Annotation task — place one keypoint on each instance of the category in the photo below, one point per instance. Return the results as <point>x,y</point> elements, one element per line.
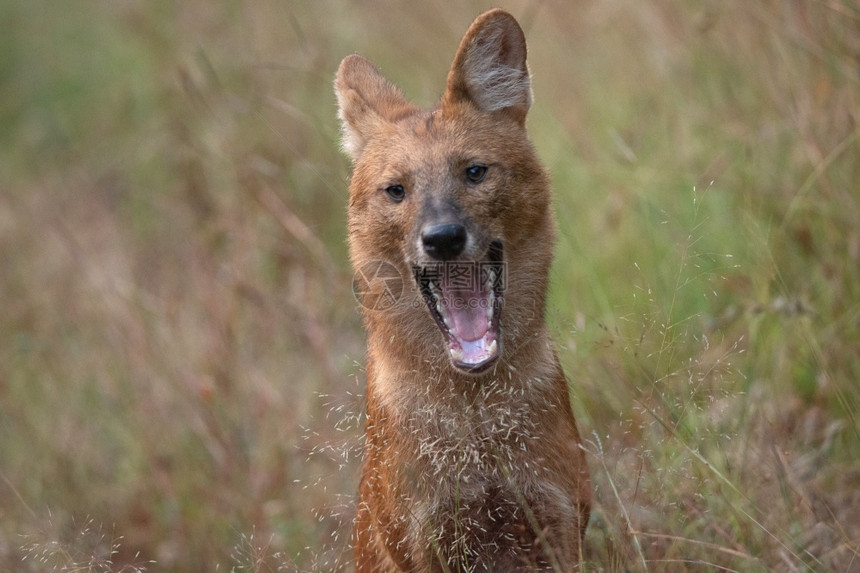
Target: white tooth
<point>440,308</point>
<point>456,354</point>
<point>491,279</point>
<point>437,297</point>
<point>492,348</point>
<point>437,294</point>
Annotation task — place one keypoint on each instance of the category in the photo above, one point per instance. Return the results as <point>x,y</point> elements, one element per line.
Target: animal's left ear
<point>490,68</point>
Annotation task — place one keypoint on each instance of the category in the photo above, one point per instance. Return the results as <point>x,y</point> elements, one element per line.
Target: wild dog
<point>473,461</point>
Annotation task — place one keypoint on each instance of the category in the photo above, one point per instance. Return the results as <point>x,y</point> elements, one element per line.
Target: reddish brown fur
<point>462,471</point>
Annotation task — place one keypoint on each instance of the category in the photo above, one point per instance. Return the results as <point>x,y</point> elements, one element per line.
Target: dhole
<point>472,457</point>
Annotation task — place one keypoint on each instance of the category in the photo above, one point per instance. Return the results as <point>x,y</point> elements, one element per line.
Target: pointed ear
<point>490,69</point>
<point>366,100</point>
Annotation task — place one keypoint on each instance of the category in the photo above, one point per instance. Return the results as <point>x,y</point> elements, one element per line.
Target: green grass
<point>180,353</point>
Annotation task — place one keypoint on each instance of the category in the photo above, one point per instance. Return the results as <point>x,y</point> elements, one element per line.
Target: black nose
<point>444,242</point>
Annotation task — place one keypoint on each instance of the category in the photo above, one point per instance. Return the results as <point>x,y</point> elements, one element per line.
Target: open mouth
<point>465,299</point>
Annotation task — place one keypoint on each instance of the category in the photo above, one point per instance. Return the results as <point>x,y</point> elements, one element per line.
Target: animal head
<point>454,198</point>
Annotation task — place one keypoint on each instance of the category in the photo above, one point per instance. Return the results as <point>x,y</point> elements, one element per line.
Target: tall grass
<point>180,353</point>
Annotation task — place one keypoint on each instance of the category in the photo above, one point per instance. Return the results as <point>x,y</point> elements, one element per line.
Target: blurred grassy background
<point>180,353</point>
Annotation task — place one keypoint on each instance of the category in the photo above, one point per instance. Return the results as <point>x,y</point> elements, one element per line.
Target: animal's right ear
<point>366,101</point>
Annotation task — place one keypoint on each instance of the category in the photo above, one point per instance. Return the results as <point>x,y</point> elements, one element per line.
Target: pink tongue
<point>467,310</point>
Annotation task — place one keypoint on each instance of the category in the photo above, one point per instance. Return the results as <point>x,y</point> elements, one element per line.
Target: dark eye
<point>476,173</point>
<point>396,192</point>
